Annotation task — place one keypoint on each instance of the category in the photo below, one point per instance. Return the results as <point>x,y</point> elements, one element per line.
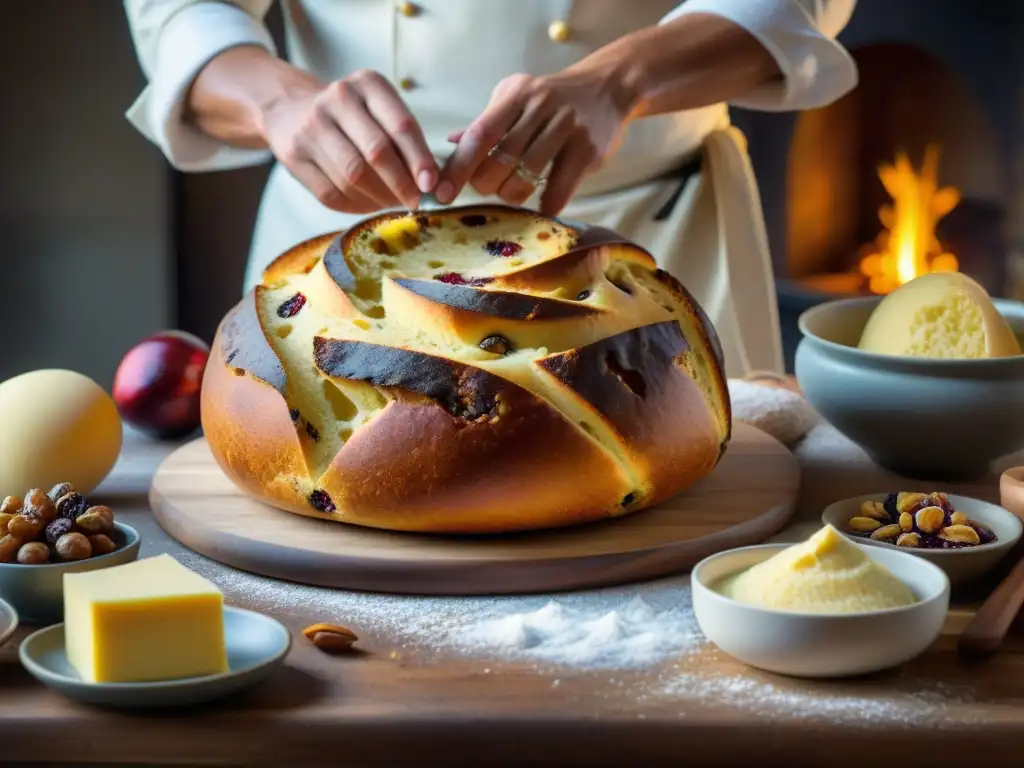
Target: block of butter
<point>149,620</point>
<point>939,315</point>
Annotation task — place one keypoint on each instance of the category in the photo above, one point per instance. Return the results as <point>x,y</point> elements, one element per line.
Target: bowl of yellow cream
<point>928,380</point>
<point>825,607</point>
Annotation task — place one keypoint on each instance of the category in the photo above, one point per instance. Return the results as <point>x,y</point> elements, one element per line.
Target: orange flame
<point>907,245</point>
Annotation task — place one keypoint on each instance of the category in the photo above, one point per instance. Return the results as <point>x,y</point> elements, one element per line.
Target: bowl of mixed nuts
<point>965,537</point>
<point>45,535</point>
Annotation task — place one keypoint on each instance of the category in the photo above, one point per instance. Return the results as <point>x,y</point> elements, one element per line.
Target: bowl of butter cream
<point>826,607</point>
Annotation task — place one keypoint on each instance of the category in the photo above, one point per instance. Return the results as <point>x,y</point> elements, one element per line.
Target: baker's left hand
<point>564,126</point>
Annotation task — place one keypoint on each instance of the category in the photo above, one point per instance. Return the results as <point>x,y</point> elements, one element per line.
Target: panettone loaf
<point>471,370</point>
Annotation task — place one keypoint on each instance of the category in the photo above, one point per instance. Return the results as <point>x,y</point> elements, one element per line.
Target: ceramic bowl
<point>255,645</point>
<point>942,420</point>
<point>961,565</point>
<point>820,645</point>
<point>37,591</point>
<point>8,621</point>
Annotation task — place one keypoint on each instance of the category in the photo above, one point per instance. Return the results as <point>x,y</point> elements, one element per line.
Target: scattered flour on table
<point>624,627</point>
<point>645,634</point>
<point>907,701</point>
<point>630,635</point>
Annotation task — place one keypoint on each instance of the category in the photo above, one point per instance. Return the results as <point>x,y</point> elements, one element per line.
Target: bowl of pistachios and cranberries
<point>965,537</point>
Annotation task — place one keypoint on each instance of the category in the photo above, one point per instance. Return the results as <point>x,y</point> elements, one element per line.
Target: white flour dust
<point>622,627</point>
<point>647,631</point>
<point>908,701</point>
<point>631,635</point>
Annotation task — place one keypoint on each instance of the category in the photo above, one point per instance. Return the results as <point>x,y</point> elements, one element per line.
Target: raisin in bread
<point>472,370</point>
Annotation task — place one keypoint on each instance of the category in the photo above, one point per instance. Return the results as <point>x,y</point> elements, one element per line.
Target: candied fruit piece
<point>56,529</point>
<point>321,501</point>
<point>290,307</point>
<point>504,248</point>
<point>985,535</point>
<point>890,506</point>
<point>454,278</point>
<point>582,295</point>
<point>473,220</point>
<point>313,432</point>
<point>496,345</point>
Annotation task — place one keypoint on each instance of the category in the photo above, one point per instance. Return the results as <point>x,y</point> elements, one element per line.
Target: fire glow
<point>907,245</point>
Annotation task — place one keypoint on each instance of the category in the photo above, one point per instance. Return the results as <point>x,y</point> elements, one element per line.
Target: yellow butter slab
<point>150,620</point>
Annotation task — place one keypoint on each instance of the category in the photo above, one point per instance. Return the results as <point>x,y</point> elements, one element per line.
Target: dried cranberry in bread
<point>473,370</point>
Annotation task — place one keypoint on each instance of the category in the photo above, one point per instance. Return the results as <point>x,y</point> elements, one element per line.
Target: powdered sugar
<point>910,701</point>
<point>633,634</point>
<point>623,627</point>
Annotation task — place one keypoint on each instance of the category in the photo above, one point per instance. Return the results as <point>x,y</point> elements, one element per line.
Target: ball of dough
<point>57,426</point>
<point>939,315</point>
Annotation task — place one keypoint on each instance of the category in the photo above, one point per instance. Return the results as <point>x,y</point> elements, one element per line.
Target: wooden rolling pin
<point>984,634</point>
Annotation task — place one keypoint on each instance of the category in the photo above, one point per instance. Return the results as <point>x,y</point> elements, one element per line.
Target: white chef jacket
<point>446,56</point>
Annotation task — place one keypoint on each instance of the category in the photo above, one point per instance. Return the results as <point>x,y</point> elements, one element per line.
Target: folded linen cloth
<point>774,405</point>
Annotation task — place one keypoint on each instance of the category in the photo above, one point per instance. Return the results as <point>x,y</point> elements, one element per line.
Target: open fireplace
<point>920,168</point>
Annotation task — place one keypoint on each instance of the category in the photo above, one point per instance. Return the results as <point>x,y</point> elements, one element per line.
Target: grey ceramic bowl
<point>255,645</point>
<point>8,621</point>
<point>961,565</point>
<point>37,591</point>
<point>941,420</point>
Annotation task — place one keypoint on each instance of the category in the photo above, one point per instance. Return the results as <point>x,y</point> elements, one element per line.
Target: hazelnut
<point>9,549</point>
<point>863,524</point>
<point>961,534</point>
<point>909,540</point>
<point>60,489</point>
<point>5,518</point>
<point>886,532</point>
<point>905,502</point>
<point>102,544</point>
<point>98,519</point>
<point>930,519</point>
<point>959,518</point>
<point>34,553</point>
<point>874,510</point>
<point>26,527</point>
<point>906,522</point>
<point>40,504</point>
<point>11,505</point>
<point>73,546</point>
<point>71,505</point>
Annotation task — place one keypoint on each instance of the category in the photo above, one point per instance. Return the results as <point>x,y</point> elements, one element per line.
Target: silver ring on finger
<point>500,156</point>
<point>531,178</point>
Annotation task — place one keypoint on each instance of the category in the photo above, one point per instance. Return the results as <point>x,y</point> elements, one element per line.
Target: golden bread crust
<point>473,370</point>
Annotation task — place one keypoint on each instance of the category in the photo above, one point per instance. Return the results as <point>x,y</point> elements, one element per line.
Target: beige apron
<point>713,241</point>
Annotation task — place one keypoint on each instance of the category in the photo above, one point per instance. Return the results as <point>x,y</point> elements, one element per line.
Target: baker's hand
<point>353,143</point>
<point>571,122</point>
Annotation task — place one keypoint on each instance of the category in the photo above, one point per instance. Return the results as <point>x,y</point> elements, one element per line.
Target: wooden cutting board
<point>750,496</point>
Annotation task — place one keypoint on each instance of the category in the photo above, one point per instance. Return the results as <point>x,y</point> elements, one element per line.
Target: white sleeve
<point>174,40</point>
<point>801,35</point>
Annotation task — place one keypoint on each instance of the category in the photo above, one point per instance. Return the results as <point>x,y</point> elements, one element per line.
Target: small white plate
<point>815,644</point>
<point>961,565</point>
<point>255,645</point>
<point>8,621</point>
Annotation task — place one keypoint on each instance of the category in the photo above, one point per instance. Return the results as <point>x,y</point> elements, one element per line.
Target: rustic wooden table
<point>397,703</point>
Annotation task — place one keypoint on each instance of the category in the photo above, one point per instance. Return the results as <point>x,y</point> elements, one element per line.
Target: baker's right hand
<point>353,143</point>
